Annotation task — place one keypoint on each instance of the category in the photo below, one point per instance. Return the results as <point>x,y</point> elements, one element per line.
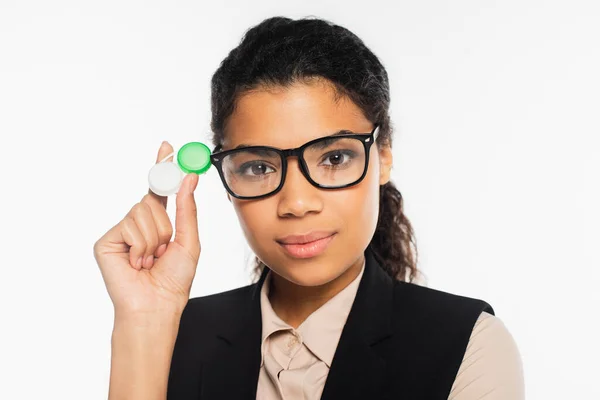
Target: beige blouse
<point>295,362</point>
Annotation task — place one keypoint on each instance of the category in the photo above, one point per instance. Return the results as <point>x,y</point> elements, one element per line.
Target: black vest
<point>401,341</point>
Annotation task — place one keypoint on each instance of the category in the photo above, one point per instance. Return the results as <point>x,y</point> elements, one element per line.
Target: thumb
<point>186,217</point>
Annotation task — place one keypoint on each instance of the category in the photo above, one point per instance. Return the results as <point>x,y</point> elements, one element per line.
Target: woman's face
<point>287,118</point>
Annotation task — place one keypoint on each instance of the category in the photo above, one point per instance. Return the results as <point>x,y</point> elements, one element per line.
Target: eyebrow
<point>340,132</point>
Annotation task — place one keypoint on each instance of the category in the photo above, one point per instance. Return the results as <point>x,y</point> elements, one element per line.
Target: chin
<point>309,275</point>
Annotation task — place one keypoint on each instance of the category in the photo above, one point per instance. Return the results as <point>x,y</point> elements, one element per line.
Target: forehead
<point>287,117</point>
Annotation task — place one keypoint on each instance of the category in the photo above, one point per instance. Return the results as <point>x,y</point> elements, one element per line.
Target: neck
<point>294,303</point>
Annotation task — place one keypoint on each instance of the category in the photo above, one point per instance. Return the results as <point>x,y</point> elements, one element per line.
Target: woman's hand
<point>161,281</point>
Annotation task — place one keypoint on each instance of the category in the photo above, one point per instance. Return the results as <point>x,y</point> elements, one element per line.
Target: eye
<point>255,168</point>
<point>337,158</point>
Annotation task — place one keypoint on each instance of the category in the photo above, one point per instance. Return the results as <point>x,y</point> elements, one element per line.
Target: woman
<point>335,313</point>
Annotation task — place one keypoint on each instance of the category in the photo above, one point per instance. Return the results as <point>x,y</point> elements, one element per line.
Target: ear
<point>228,197</point>
<point>385,164</point>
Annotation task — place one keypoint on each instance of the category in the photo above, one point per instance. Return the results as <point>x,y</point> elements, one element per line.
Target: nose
<point>298,196</point>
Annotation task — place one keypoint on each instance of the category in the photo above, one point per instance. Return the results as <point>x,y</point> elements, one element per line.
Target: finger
<point>164,150</point>
<point>186,218</point>
<point>162,221</point>
<point>131,235</point>
<point>142,215</point>
<point>161,250</point>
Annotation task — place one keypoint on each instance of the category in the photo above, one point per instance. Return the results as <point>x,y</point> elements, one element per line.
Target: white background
<point>497,155</point>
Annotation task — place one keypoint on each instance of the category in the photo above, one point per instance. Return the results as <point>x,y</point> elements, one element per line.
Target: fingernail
<point>139,263</point>
<point>164,143</point>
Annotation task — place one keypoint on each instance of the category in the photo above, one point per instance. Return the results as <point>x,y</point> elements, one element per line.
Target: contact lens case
<point>165,178</point>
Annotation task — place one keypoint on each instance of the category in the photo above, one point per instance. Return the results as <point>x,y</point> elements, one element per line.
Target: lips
<point>304,239</point>
<point>306,246</point>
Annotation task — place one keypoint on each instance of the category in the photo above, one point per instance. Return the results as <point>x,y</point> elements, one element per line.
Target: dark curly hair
<point>279,52</point>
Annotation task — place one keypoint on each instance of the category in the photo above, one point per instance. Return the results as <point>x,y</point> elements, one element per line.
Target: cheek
<point>370,196</point>
<point>369,209</point>
<point>255,218</point>
<point>357,207</point>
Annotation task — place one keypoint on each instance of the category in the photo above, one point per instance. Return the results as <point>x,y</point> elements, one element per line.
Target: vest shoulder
<point>228,296</point>
<point>214,309</point>
<point>434,300</point>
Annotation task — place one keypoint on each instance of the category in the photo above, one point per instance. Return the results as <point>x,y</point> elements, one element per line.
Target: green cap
<point>194,157</point>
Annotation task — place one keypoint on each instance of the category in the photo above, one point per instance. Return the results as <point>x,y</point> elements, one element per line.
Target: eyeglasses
<point>330,162</point>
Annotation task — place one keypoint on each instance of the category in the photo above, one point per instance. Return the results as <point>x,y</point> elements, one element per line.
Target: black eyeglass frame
<point>367,140</point>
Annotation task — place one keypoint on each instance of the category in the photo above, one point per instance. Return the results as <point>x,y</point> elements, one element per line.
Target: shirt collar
<point>322,329</point>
